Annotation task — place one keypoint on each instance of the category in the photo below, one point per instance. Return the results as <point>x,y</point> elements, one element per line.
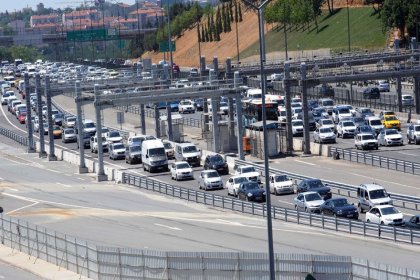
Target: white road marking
<point>21,208</point>
<point>408,154</point>
<point>390,182</point>
<point>1,179</point>
<point>64,185</point>
<point>52,170</point>
<point>286,202</point>
<point>20,197</point>
<point>173,228</point>
<point>49,202</point>
<point>304,162</point>
<point>81,179</point>
<point>12,189</point>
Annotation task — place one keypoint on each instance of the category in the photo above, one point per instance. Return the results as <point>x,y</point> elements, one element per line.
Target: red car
<point>175,68</point>
<point>22,118</point>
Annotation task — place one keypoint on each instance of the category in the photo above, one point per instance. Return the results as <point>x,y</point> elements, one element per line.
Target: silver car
<point>68,135</point>
<point>324,135</point>
<point>210,179</point>
<point>308,201</point>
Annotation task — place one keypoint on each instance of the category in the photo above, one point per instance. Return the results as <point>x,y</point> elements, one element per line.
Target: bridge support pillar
<point>42,152</point>
<point>142,119</point>
<point>216,66</point>
<point>101,176</point>
<point>306,136</point>
<point>228,68</point>
<point>240,129</point>
<point>399,95</point>
<point>51,155</point>
<point>169,122</point>
<point>417,93</point>
<point>29,124</point>
<point>215,121</point>
<point>157,121</point>
<point>80,135</point>
<point>288,99</point>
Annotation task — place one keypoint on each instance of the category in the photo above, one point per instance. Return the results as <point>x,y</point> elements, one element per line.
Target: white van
<point>254,93</point>
<point>153,155</point>
<point>188,152</point>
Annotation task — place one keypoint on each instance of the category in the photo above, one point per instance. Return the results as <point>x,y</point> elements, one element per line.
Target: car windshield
<point>328,103</point>
<point>340,202</point>
<point>389,210</point>
<point>239,180</point>
<point>366,111</point>
<point>251,186</point>
<point>313,184</point>
<point>189,149</point>
<point>417,128</point>
<point>223,104</point>
<point>135,148</point>
<point>391,132</point>
<point>344,110</point>
<point>69,131</point>
<point>375,122</point>
<point>281,178</point>
<point>359,120</point>
<point>157,152</point>
<point>6,95</point>
<point>407,97</point>
<point>248,169</point>
<point>391,118</point>
<point>182,165</point>
<point>71,119</point>
<point>167,145</point>
<point>348,124</point>
<point>368,137</point>
<point>375,194</point>
<point>114,134</point>
<point>325,130</point>
<point>136,140</point>
<point>56,127</point>
<point>89,125</point>
<point>297,110</point>
<point>313,197</point>
<point>59,116</point>
<point>185,103</point>
<point>297,123</point>
<point>217,159</point>
<point>213,174</point>
<point>324,122</point>
<point>118,146</point>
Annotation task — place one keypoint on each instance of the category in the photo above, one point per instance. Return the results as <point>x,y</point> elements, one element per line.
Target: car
<point>358,121</point>
<point>251,191</point>
<point>340,113</point>
<point>326,90</point>
<point>22,118</point>
<point>365,141</point>
<point>113,136</point>
<point>326,123</point>
<point>56,131</point>
<point>339,207</point>
<point>389,137</point>
<point>391,121</point>
<point>327,104</point>
<point>385,215</point>
<point>413,134</point>
<point>193,72</point>
<point>312,104</point>
<point>169,149</point>
<point>68,135</point>
<point>69,121</point>
<point>216,162</point>
<point>199,104</point>
<point>232,184</point>
<point>186,106</point>
<point>364,129</point>
<point>89,127</point>
<point>308,201</point>
<point>371,93</point>
<point>370,195</point>
<point>406,100</point>
<point>281,184</point>
<point>314,185</point>
<point>346,128</point>
<point>413,222</point>
<point>138,139</point>
<point>383,86</point>
<point>58,118</point>
<point>85,141</point>
<point>320,113</point>
<point>94,144</point>
<point>297,127</point>
<point>209,179</point>
<point>364,112</point>
<point>386,113</point>
<point>181,170</point>
<point>324,135</point>
<point>375,123</point>
<point>133,154</point>
<point>249,172</point>
<point>5,97</point>
<point>116,151</point>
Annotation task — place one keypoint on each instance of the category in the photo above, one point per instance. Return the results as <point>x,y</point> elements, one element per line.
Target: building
<point>148,15</point>
<point>44,19</point>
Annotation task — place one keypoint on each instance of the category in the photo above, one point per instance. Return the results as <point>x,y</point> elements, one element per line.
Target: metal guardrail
<point>378,161</point>
<point>14,136</point>
<point>395,234</point>
<point>403,201</point>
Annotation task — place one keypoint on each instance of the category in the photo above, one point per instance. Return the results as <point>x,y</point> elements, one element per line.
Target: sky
<point>20,4</point>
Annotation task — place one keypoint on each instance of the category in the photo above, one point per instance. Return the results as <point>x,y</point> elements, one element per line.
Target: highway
<point>118,215</point>
<point>9,272</point>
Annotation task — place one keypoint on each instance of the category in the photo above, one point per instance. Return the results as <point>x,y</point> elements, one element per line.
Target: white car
<point>224,108</point>
<point>341,113</point>
<point>249,172</point>
<point>346,128</point>
<point>385,215</point>
<point>6,97</point>
<point>390,136</point>
<point>324,135</point>
<point>383,86</point>
<point>365,141</point>
<point>326,123</point>
<point>308,201</point>
<point>116,151</point>
<point>210,179</point>
<point>186,106</point>
<point>113,137</point>
<point>233,183</point>
<point>281,184</point>
<point>181,170</point>
<point>297,127</point>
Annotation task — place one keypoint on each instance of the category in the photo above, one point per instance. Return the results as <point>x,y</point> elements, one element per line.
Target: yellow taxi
<point>391,121</point>
<point>57,131</point>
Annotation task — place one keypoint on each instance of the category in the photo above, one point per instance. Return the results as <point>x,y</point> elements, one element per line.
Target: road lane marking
<point>21,208</point>
<point>173,228</point>
<point>408,154</point>
<point>390,182</point>
<point>286,202</point>
<point>304,162</point>
<point>12,189</point>
<point>64,185</point>
<point>20,197</point>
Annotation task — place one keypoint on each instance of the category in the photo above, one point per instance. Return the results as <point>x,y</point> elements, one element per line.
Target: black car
<point>314,185</point>
<point>339,207</point>
<point>133,154</point>
<point>251,191</point>
<point>216,162</point>
<point>199,104</point>
<point>371,93</point>
<point>413,222</point>
<point>326,91</point>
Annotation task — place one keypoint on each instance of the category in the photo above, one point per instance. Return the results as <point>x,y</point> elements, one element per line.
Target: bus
<point>252,111</point>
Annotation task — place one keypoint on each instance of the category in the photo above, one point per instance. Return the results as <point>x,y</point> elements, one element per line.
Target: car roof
<point>185,144</point>
<point>238,176</point>
<point>306,193</point>
<point>371,187</point>
<point>311,179</point>
<point>383,206</point>
<point>179,162</point>
<point>208,171</point>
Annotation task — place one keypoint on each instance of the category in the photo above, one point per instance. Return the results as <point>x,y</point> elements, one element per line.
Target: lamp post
<point>170,42</point>
<point>348,24</point>
<point>259,8</point>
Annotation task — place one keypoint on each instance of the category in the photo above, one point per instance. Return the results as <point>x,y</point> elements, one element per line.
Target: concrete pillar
<point>216,66</point>
<point>215,120</point>
<point>212,77</point>
<point>306,136</point>
<point>138,69</point>
<point>414,44</point>
<point>206,114</point>
<point>202,64</point>
<point>237,81</point>
<point>399,94</point>
<point>288,97</point>
<point>142,119</point>
<point>51,155</point>
<point>240,129</point>
<point>155,72</point>
<point>80,135</point>
<point>169,120</point>
<point>165,73</point>
<point>417,93</point>
<point>42,152</point>
<point>29,124</point>
<point>231,124</point>
<point>157,121</point>
<point>101,176</point>
<point>228,68</point>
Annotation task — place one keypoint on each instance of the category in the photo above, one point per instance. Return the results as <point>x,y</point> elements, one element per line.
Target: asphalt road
<point>51,194</point>
<point>9,272</point>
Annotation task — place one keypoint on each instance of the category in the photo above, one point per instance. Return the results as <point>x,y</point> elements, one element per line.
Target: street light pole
<point>170,43</point>
<point>348,24</point>
<point>260,9</point>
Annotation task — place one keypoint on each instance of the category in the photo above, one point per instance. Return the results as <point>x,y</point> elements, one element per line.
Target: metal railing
<point>403,201</point>
<point>377,161</point>
<point>99,262</point>
<point>23,140</point>
<point>395,234</point>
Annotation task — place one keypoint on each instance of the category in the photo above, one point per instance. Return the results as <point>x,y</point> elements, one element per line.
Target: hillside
<point>365,31</point>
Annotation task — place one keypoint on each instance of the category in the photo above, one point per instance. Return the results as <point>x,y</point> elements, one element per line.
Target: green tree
<point>231,11</point>
<point>198,33</point>
<point>203,34</point>
<point>395,13</point>
<point>378,3</point>
<point>223,18</point>
<point>240,12</point>
<point>236,11</point>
